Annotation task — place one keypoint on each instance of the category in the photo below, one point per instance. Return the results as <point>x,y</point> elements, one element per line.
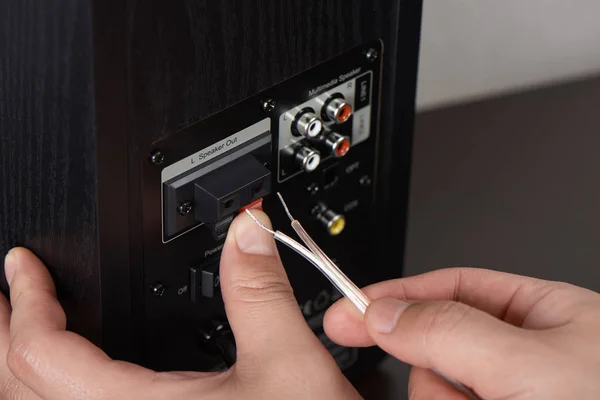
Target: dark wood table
<point>512,184</point>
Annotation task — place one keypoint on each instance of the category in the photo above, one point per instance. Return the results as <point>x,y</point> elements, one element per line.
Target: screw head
<point>158,289</point>
<point>317,210</point>
<point>185,208</point>
<point>313,189</point>
<point>269,105</point>
<point>365,181</point>
<point>372,55</point>
<point>157,157</point>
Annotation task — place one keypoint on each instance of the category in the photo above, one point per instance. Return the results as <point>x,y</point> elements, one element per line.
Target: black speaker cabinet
<point>132,132</point>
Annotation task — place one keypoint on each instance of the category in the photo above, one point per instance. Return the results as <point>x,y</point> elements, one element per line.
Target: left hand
<point>40,359</point>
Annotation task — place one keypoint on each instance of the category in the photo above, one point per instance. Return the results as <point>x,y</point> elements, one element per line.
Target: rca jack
<point>333,222</point>
<point>337,110</point>
<point>339,145</point>
<point>308,159</point>
<point>307,124</point>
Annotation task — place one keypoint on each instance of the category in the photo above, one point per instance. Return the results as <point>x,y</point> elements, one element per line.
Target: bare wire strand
<point>320,260</point>
<point>285,207</point>
<point>272,232</point>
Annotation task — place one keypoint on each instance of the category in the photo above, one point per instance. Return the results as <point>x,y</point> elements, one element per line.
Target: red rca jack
<point>336,109</point>
<point>339,145</point>
<point>307,124</point>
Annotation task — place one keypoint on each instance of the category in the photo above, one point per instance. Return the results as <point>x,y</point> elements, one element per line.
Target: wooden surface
<point>192,58</point>
<point>47,150</point>
<point>509,184</point>
<point>188,60</point>
<point>87,86</point>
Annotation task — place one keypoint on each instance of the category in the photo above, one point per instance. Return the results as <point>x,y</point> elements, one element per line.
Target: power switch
<point>205,281</point>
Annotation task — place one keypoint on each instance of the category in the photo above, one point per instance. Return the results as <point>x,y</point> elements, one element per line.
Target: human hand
<point>505,336</point>
<point>41,360</point>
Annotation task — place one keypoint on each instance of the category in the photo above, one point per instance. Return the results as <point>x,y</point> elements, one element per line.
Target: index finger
<point>506,296</point>
<point>52,362</point>
<point>32,295</point>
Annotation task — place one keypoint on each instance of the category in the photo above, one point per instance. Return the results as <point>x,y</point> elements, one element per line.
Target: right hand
<point>505,336</point>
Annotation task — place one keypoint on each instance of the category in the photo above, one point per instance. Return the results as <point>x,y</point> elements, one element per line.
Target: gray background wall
<point>475,48</point>
<point>510,183</point>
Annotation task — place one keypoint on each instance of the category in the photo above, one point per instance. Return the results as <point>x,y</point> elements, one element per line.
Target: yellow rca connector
<point>333,221</point>
<point>337,225</point>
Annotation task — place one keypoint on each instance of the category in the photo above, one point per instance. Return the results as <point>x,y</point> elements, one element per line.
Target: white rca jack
<point>308,159</point>
<point>307,124</point>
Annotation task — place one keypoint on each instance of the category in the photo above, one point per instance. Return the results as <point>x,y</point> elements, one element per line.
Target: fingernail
<point>10,264</point>
<point>251,239</point>
<point>383,314</point>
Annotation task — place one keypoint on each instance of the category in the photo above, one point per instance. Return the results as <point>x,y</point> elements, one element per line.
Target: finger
<point>53,363</point>
<point>4,325</point>
<point>10,387</point>
<point>32,294</point>
<point>5,374</point>
<point>260,303</point>
<point>345,326</point>
<point>457,340</point>
<point>424,384</point>
<point>505,296</point>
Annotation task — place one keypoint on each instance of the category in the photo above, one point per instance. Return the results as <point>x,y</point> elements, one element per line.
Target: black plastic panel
<point>343,184</point>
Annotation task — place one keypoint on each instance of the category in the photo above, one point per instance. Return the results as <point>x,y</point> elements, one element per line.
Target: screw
<point>365,181</point>
<point>268,105</point>
<point>317,210</point>
<point>158,289</point>
<point>157,157</point>
<point>313,189</point>
<point>185,208</point>
<point>372,55</point>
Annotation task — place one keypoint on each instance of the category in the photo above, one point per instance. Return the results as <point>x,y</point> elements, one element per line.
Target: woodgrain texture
<point>47,146</point>
<point>195,57</point>
<point>87,87</point>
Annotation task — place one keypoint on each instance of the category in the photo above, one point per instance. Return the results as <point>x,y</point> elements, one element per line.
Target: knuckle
<point>413,387</point>
<point>22,355</point>
<point>28,283</point>
<point>418,387</point>
<point>31,298</point>
<point>442,321</point>
<point>266,287</point>
<point>12,388</point>
<point>414,393</point>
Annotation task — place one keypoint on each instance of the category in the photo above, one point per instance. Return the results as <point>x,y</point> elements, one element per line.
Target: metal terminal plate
<point>180,175</point>
<point>357,91</point>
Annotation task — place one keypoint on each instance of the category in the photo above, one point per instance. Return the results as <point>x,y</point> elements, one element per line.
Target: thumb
<point>457,340</point>
<point>260,304</point>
